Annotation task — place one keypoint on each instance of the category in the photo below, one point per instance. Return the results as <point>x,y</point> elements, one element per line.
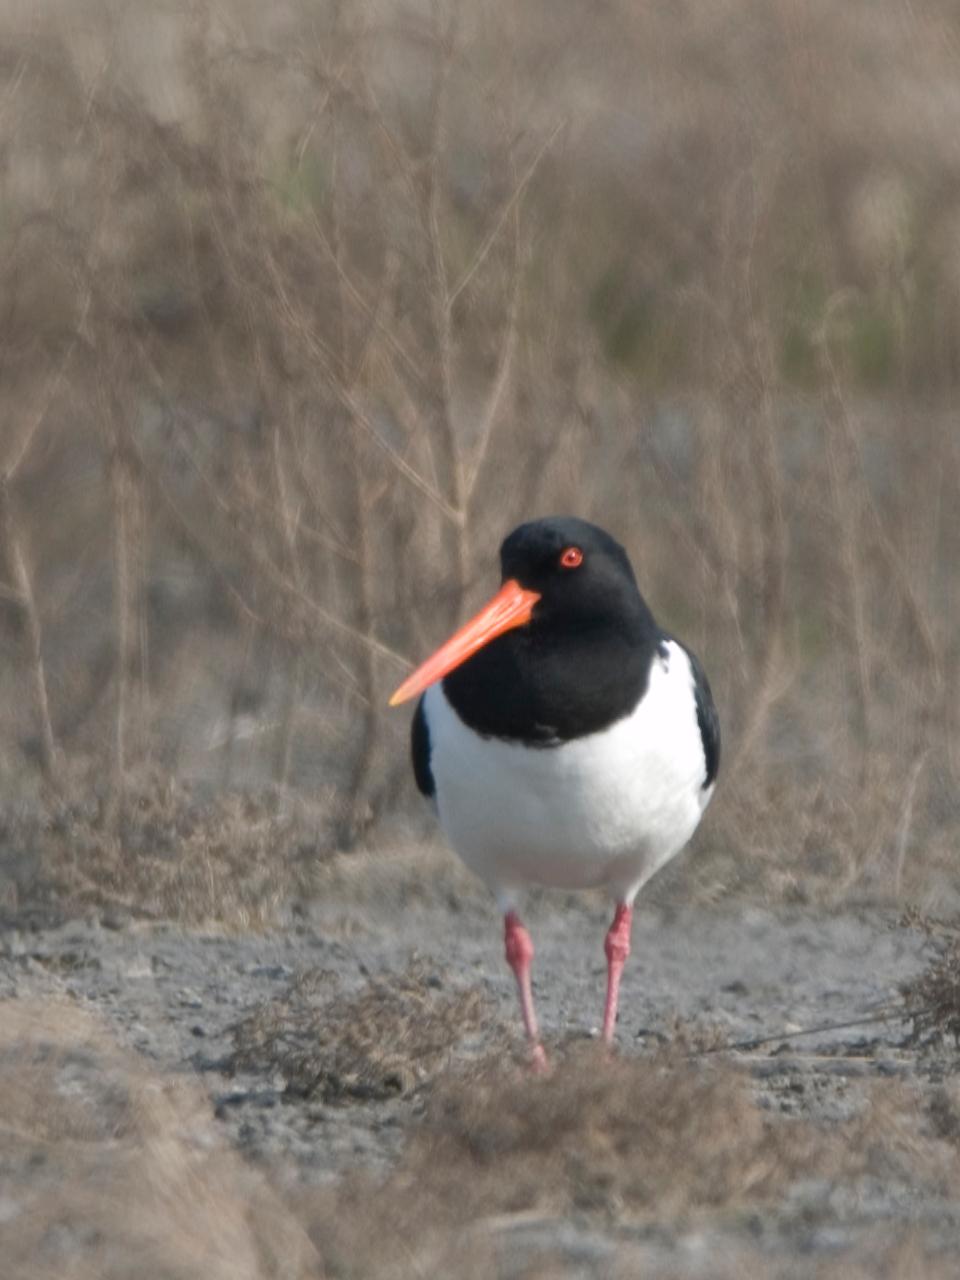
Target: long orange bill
<point>510,607</point>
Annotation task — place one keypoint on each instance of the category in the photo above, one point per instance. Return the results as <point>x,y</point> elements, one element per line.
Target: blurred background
<point>304,306</point>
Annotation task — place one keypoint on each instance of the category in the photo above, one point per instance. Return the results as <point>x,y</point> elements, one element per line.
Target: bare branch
<point>491,237</point>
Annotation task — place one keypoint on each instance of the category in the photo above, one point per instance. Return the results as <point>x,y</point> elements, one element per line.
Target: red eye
<point>571,558</point>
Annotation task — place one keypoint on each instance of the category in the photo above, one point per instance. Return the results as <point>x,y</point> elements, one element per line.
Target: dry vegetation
<point>655,1141</point>
<point>391,1038</point>
<point>242,858</point>
<point>932,1000</point>
<point>103,1161</point>
<point>304,306</point>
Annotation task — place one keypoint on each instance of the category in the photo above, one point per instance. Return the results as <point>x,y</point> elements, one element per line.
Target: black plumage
<point>582,663</point>
<point>707,719</point>
<point>420,752</point>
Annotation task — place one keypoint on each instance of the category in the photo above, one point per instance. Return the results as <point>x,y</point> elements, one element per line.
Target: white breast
<point>607,809</point>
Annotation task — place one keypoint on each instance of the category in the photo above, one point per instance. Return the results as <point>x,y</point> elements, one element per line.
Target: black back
<point>708,721</point>
<point>420,752</point>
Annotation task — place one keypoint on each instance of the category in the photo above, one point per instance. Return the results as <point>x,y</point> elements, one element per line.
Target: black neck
<point>544,684</point>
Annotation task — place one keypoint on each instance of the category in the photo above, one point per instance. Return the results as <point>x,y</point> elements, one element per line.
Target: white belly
<point>605,810</point>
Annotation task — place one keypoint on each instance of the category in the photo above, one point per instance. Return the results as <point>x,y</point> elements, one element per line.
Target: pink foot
<point>538,1061</point>
<point>519,951</point>
<point>617,947</point>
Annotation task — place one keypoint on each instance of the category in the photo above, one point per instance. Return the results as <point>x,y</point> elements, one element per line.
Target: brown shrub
<point>230,858</point>
<point>393,1035</point>
<point>503,1162</point>
<point>932,999</point>
<point>622,1138</point>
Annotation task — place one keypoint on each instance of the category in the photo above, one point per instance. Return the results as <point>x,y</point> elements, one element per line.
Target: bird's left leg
<point>617,947</point>
<point>519,951</point>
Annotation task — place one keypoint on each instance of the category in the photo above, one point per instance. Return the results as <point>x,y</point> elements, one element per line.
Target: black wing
<point>707,719</point>
<point>420,751</point>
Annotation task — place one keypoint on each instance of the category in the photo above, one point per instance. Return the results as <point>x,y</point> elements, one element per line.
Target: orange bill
<point>510,607</point>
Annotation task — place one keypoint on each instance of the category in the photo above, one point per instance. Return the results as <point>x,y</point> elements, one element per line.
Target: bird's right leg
<point>519,951</point>
<point>617,947</point>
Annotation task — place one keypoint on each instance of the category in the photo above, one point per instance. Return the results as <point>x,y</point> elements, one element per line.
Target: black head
<point>583,577</point>
<point>582,661</point>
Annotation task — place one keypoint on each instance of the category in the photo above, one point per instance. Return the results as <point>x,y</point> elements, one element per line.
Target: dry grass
<point>232,859</point>
<point>932,1000</point>
<point>106,1166</point>
<point>615,1139</point>
<point>657,1141</point>
<point>104,1162</point>
<point>391,1037</point>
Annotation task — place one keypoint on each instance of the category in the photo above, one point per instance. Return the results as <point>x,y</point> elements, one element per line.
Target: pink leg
<point>519,950</point>
<point>617,947</point>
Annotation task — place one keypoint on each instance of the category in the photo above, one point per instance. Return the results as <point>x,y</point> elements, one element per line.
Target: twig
<point>903,835</point>
<point>23,594</point>
<point>889,1015</point>
<point>491,237</point>
<point>502,376</point>
<point>286,588</point>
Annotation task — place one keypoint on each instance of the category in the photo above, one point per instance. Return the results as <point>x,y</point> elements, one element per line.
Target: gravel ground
<point>749,974</point>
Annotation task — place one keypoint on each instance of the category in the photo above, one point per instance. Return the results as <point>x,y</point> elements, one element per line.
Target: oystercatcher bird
<point>566,739</point>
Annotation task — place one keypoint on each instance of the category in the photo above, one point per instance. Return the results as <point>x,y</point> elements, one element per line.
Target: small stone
<point>14,945</point>
<point>115,918</point>
<point>846,1067</point>
<point>9,1209</point>
<point>275,972</point>
<point>887,1067</point>
<point>235,1098</point>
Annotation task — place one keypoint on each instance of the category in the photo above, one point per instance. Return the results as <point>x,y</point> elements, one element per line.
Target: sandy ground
<point>173,1000</point>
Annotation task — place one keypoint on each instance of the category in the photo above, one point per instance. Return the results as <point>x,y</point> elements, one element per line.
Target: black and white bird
<point>567,740</point>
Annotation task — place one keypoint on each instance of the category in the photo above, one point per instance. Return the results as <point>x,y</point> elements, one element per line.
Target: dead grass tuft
<point>932,1000</point>
<point>500,1151</point>
<point>388,1039</point>
<point>649,1133</point>
<point>504,1162</point>
<point>102,1162</point>
<point>499,1148</point>
<point>230,858</point>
